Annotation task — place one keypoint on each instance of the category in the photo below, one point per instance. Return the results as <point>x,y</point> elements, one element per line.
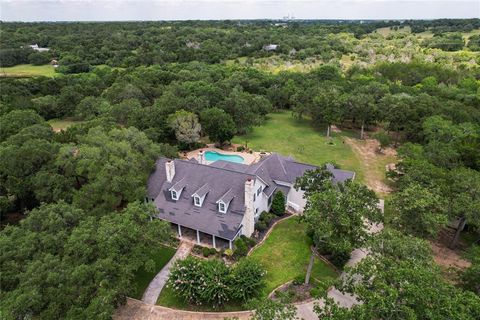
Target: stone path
<point>138,310</point>
<point>155,287</point>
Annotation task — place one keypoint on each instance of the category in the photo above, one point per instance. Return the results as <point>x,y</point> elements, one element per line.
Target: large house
<point>223,200</point>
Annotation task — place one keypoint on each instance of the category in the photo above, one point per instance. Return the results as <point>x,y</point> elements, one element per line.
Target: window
<point>270,200</point>
<point>254,197</point>
<point>259,190</point>
<point>174,194</point>
<point>197,202</point>
<point>221,207</point>
<point>256,211</point>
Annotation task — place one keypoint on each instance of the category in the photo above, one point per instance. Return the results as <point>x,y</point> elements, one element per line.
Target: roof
<point>205,218</point>
<point>222,181</point>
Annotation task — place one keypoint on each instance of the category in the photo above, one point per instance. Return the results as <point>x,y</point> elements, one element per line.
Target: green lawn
<point>286,254</point>
<point>28,70</point>
<point>62,124</point>
<point>161,256</point>
<point>288,136</point>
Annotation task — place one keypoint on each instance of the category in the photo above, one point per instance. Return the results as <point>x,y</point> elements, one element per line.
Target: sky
<point>120,10</point>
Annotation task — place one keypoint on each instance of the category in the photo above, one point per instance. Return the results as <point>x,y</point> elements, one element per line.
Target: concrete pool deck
<point>249,158</point>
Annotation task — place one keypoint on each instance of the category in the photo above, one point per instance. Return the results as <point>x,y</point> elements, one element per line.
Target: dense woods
<point>139,90</point>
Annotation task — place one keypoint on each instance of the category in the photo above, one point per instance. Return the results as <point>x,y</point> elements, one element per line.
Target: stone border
<point>249,158</point>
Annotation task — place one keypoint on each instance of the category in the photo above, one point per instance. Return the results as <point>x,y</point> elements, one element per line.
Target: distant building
<point>270,47</point>
<point>39,49</point>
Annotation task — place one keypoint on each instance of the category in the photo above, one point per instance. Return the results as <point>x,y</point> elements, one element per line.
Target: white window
<point>259,190</point>
<point>174,194</point>
<point>196,201</point>
<point>221,207</point>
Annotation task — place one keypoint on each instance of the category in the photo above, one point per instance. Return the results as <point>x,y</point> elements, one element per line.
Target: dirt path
<point>373,162</point>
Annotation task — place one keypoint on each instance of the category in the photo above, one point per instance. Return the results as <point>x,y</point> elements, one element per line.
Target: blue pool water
<point>214,156</point>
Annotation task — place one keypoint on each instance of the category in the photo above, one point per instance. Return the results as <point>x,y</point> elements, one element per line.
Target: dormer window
<point>222,208</point>
<point>174,194</point>
<point>197,201</point>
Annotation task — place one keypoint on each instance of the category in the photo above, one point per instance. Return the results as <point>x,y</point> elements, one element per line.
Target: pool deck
<point>248,157</point>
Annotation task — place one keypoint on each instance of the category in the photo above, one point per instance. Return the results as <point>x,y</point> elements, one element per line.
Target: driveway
<point>155,287</point>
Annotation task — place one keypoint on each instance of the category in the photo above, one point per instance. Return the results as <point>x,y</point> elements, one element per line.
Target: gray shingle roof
<point>221,180</point>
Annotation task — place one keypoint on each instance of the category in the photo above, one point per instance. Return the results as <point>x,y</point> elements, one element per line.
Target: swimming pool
<point>214,156</point>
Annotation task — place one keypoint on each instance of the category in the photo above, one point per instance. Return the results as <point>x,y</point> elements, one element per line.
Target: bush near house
<point>242,245</point>
<point>264,221</point>
<point>278,204</point>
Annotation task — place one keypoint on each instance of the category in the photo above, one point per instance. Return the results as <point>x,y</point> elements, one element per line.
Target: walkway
<point>138,310</point>
<point>155,287</point>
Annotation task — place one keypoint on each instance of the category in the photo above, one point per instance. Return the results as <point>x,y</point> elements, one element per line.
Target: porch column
<point>214,242</point>
<point>198,237</point>
<point>230,244</point>
<point>179,231</point>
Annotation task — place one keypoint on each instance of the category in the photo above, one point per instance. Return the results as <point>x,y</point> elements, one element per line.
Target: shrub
<point>241,248</point>
<point>206,251</point>
<point>278,203</point>
<point>300,279</point>
<point>261,225</point>
<point>247,279</point>
<point>248,241</point>
<point>213,282</point>
<point>229,252</point>
<point>240,148</point>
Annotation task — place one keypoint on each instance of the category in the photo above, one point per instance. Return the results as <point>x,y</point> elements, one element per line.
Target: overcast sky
<point>108,10</point>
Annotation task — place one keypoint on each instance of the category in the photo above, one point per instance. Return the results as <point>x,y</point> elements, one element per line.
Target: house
<point>270,47</point>
<point>223,200</point>
<point>35,47</point>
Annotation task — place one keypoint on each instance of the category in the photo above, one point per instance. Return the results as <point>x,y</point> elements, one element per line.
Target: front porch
<point>201,238</point>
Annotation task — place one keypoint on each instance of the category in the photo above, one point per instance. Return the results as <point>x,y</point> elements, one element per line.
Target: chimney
<point>249,218</point>
<point>201,157</point>
<point>170,170</point>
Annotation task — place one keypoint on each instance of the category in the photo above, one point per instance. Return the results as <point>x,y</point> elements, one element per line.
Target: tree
<point>39,58</point>
<point>72,264</point>
<point>419,211</point>
<point>218,125</point>
<point>186,126</point>
<point>383,139</point>
<point>336,218</point>
<point>327,108</point>
<point>471,276</point>
<point>362,107</point>
<point>110,168</point>
<point>314,181</point>
<point>278,203</point>
<point>463,194</point>
<point>91,107</point>
<point>399,280</point>
<point>14,121</point>
<point>47,107</point>
<point>22,156</point>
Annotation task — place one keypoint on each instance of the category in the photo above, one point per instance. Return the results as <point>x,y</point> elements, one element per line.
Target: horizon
<point>216,10</point>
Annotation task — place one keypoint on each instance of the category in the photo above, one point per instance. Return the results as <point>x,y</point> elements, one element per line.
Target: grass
<point>286,254</point>
<point>288,136</point>
<point>62,124</point>
<point>160,256</point>
<point>28,70</point>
